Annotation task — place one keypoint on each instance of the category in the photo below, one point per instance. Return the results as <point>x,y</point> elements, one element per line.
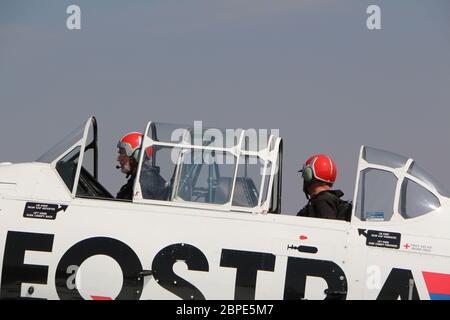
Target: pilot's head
<point>319,173</point>
<point>129,152</point>
<point>129,146</point>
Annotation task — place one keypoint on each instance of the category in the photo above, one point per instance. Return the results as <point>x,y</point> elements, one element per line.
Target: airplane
<point>219,233</point>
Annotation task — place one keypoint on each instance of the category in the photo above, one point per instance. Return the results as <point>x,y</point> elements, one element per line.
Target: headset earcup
<point>136,155</point>
<point>307,174</point>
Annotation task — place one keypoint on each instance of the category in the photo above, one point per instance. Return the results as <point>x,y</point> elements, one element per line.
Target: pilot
<point>319,174</point>
<point>153,186</point>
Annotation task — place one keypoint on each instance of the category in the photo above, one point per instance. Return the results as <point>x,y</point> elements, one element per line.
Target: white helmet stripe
<point>313,162</point>
<point>331,167</point>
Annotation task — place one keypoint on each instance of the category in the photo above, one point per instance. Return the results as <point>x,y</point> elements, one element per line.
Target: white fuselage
<point>98,248</point>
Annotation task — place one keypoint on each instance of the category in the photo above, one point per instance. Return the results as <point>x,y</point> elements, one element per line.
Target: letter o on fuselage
<point>117,250</point>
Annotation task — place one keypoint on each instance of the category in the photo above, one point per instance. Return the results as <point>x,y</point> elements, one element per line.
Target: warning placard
<point>381,239</point>
<point>42,210</point>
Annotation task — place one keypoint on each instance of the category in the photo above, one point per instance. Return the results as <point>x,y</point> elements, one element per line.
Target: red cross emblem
<point>407,246</point>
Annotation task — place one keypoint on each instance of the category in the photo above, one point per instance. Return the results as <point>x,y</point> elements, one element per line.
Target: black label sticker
<point>381,239</point>
<point>42,210</point>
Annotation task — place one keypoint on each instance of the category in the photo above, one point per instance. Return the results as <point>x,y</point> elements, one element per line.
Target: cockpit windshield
<point>208,166</point>
<point>196,135</point>
<point>417,171</point>
<point>57,150</point>
<point>390,183</point>
<point>395,161</point>
<point>386,158</point>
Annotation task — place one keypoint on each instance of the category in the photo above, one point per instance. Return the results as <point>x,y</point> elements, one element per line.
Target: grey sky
<point>309,68</point>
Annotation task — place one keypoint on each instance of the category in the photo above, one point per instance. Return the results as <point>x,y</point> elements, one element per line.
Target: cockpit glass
<point>62,146</point>
<point>195,134</point>
<point>385,158</point>
<point>420,173</point>
<point>376,193</point>
<point>416,201</point>
<point>67,167</point>
<point>258,139</point>
<point>248,182</point>
<point>203,164</point>
<point>254,140</point>
<point>206,177</point>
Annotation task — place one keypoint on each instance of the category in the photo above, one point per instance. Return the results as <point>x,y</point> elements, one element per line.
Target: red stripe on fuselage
<point>98,298</point>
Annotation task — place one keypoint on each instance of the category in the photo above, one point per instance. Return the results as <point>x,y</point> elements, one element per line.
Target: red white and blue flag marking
<point>438,285</point>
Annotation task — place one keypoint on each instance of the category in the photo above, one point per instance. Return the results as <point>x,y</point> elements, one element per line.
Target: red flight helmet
<point>131,143</point>
<point>319,168</point>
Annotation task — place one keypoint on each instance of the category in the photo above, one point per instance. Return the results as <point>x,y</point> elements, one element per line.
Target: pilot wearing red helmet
<point>319,174</point>
<point>153,186</point>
